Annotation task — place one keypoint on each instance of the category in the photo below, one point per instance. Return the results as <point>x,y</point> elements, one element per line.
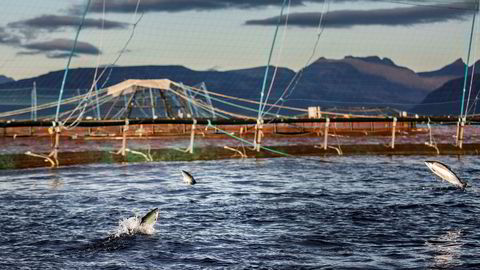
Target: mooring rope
<point>124,48</point>
<point>221,101</point>
<point>294,81</point>
<point>97,79</point>
<point>279,55</point>
<point>467,63</point>
<point>248,142</point>
<point>94,83</point>
<point>199,91</point>
<point>473,68</point>
<point>70,59</point>
<point>46,105</point>
<point>216,109</point>
<point>264,84</point>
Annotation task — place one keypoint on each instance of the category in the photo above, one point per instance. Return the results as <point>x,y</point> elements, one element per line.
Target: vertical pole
<point>192,136</point>
<point>460,139</point>
<point>255,140</point>
<point>99,117</point>
<point>457,136</point>
<point>55,131</point>
<point>124,138</point>
<point>124,141</point>
<point>394,125</point>
<point>34,106</point>
<point>430,132</point>
<point>57,144</point>
<point>152,103</point>
<point>258,134</point>
<point>34,102</point>
<point>325,139</point>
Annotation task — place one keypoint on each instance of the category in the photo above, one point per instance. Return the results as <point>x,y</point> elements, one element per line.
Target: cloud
<point>129,6</point>
<point>400,16</point>
<point>7,38</point>
<point>53,55</point>
<point>54,22</point>
<point>31,28</point>
<point>59,48</point>
<point>56,55</point>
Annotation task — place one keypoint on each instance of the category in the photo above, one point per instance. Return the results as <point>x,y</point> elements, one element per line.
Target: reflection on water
<point>446,249</point>
<point>56,181</point>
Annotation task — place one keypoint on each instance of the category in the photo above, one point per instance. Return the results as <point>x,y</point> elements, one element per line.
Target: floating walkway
<point>22,161</point>
<point>319,130</point>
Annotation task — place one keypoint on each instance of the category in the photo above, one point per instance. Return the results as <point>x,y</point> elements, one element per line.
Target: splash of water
<point>131,226</point>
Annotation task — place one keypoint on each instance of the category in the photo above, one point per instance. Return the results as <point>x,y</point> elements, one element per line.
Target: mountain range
<point>447,100</point>
<point>349,82</point>
<point>4,79</point>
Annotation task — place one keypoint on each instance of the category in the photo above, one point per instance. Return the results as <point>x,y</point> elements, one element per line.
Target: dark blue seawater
<point>285,213</point>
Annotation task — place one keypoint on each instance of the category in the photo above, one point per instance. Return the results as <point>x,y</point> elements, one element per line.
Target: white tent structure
<point>131,85</point>
<point>157,98</point>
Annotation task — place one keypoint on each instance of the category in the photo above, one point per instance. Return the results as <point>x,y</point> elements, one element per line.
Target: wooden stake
<point>325,139</point>
<point>460,139</point>
<point>394,125</point>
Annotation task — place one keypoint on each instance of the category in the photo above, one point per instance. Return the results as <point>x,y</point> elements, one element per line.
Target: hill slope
<point>352,81</point>
<point>446,100</point>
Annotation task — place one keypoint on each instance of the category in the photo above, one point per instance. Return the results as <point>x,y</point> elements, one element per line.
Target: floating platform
<point>97,141</point>
<point>22,161</point>
<point>180,127</point>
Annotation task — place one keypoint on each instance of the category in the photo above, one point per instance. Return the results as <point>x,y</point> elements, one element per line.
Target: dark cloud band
<point>58,48</point>
<point>128,6</point>
<point>401,16</point>
<point>54,22</point>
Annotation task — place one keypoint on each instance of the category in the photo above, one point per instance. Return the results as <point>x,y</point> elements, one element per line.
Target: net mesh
<point>342,55</point>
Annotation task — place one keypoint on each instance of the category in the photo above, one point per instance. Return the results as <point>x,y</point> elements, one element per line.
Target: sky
<point>36,37</point>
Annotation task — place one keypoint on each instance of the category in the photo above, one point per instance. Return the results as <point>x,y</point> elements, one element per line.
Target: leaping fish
<point>444,172</point>
<point>150,218</point>
<point>188,178</point>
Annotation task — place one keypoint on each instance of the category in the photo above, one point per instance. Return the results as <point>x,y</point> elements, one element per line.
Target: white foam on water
<point>131,226</point>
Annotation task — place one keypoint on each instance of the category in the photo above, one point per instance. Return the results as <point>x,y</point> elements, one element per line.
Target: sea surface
<point>367,212</point>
